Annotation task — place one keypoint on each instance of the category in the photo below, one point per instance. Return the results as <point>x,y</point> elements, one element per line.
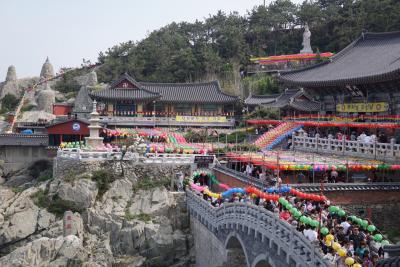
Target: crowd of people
<point>356,242</point>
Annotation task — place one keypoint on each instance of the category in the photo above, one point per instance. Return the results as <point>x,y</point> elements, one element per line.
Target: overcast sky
<point>69,30</point>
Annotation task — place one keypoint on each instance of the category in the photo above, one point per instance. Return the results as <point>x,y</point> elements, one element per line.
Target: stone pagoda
<point>94,140</point>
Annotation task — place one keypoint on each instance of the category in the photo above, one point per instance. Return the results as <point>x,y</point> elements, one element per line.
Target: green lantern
<point>303,219</point>
<point>297,214</point>
<point>364,224</point>
<point>281,199</point>
<point>342,213</point>
<point>358,221</point>
<point>378,237</point>
<point>324,231</point>
<point>289,206</point>
<point>385,242</point>
<point>371,228</point>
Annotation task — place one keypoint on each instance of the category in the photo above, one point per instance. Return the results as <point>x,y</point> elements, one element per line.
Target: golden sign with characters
<point>363,107</point>
<point>200,119</point>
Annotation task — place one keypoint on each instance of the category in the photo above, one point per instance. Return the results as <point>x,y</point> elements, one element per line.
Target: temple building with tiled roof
<point>190,103</point>
<point>289,102</point>
<point>364,78</point>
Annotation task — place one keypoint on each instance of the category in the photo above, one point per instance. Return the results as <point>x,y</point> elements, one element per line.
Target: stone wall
<point>209,250</point>
<point>18,157</point>
<point>67,167</point>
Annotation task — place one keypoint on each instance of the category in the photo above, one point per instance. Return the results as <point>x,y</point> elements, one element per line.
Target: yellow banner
<point>200,119</point>
<point>363,107</point>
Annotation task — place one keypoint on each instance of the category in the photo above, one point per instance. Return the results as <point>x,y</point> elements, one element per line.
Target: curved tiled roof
<point>373,57</point>
<point>125,94</point>
<point>208,92</point>
<point>260,99</point>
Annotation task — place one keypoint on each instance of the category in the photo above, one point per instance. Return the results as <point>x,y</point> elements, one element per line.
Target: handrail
<point>374,150</point>
<point>260,220</point>
<point>328,187</point>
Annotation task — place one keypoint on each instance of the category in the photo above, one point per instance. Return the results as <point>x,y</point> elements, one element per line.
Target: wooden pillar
<point>139,110</point>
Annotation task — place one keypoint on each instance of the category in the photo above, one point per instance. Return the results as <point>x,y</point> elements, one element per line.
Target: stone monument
<point>91,79</point>
<point>47,71</point>
<point>306,41</point>
<point>94,140</point>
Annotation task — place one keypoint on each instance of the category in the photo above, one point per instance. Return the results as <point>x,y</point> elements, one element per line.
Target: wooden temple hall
<point>362,79</point>
<point>192,103</point>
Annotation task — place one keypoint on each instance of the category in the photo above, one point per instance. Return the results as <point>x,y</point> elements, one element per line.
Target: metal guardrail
<point>313,187</point>
<point>262,221</point>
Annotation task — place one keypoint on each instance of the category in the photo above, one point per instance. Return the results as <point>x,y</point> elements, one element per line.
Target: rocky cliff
<point>117,221</point>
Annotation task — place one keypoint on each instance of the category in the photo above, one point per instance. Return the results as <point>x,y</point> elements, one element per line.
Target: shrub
<point>54,204</point>
<point>147,184</point>
<point>103,179</point>
<point>9,102</point>
<point>45,175</point>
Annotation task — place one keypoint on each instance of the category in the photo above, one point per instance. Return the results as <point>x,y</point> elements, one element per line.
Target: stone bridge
<point>240,234</point>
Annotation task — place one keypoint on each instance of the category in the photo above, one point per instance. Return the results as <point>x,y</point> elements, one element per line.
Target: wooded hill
<point>219,46</point>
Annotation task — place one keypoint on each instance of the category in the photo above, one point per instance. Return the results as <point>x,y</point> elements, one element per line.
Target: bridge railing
<point>380,151</point>
<point>311,187</point>
<point>258,219</point>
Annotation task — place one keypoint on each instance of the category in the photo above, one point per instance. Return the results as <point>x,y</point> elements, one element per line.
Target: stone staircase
<point>275,136</point>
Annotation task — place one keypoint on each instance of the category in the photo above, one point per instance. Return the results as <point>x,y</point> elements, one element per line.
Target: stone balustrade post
<point>343,145</point>
<point>392,144</point>
<point>329,143</point>
<point>317,141</point>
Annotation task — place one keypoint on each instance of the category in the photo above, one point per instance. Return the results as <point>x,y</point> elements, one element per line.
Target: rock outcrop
<point>60,251</point>
<point>124,225</point>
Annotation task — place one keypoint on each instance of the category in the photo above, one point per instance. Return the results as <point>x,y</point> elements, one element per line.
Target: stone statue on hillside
<point>47,71</point>
<point>91,79</point>
<point>46,99</point>
<point>306,41</point>
<point>10,86</point>
<point>11,74</point>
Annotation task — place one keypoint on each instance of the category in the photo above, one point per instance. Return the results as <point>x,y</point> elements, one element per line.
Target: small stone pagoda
<point>94,140</point>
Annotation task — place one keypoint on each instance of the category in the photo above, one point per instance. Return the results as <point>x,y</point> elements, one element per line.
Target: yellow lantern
<point>349,261</point>
<point>336,246</point>
<point>342,252</point>
<point>357,265</point>
<point>329,237</point>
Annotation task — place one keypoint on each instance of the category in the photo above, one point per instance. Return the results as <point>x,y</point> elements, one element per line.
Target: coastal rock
<point>61,251</point>
<point>82,192</point>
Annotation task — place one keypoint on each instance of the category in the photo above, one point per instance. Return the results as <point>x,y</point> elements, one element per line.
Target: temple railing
<point>256,220</point>
<point>380,151</point>
<point>309,188</point>
<point>165,158</point>
<point>164,121</point>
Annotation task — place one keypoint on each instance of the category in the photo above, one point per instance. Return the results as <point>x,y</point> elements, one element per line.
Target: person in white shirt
<point>346,225</point>
<point>310,234</point>
<point>367,139</point>
<point>249,169</point>
<point>362,137</point>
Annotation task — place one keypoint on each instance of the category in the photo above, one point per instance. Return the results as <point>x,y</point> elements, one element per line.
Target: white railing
<point>380,151</point>
<point>78,154</point>
<point>159,121</point>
